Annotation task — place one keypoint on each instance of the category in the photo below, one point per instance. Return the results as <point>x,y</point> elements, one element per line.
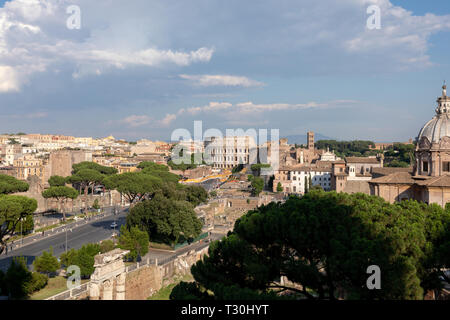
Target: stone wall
<point>143,282</point>
<point>147,280</point>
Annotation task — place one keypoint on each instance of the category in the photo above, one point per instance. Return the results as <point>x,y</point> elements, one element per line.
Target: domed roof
<point>439,126</point>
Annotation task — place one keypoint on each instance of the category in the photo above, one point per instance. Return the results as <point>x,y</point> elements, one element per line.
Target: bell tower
<point>310,136</point>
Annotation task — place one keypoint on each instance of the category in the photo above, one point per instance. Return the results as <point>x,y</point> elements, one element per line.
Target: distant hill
<point>302,139</point>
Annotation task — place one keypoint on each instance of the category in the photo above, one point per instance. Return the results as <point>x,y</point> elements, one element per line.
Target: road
<point>164,255</point>
<point>91,232</point>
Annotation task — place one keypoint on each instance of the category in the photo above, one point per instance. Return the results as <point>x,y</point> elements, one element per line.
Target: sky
<point>142,69</point>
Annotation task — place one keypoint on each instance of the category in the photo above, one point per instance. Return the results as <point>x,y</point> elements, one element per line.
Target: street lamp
<point>21,233</point>
<point>65,228</point>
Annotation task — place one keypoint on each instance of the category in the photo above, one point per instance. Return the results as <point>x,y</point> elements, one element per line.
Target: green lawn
<point>54,286</point>
<point>164,293</point>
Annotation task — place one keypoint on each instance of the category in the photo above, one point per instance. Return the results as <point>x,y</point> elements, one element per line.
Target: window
<point>425,166</point>
<point>446,166</point>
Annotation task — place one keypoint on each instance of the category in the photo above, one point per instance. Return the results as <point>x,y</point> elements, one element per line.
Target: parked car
<point>114,225</point>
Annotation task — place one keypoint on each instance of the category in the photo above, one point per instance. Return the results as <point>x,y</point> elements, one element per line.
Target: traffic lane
<point>89,233</point>
<point>38,236</point>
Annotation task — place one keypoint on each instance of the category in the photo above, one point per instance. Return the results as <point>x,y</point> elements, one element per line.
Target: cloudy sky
<point>141,69</point>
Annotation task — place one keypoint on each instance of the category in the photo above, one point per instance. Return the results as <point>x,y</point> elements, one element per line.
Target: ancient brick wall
<point>142,283</point>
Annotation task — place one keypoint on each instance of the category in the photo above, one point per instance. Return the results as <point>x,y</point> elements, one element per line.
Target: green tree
<point>25,226</point>
<point>348,148</point>
<point>397,164</point>
<point>86,178</point>
<point>83,258</point>
<point>237,168</point>
<point>195,195</point>
<point>135,240</point>
<point>67,258</point>
<point>38,281</point>
<point>57,181</point>
<point>10,184</point>
<point>12,210</point>
<point>164,175</point>
<point>61,194</point>
<point>152,166</point>
<point>17,278</point>
<point>324,242</point>
<point>93,166</point>
<point>165,219</point>
<point>279,187</point>
<point>257,186</point>
<point>46,263</point>
<point>85,262</point>
<point>107,245</point>
<point>258,166</point>
<point>96,204</point>
<point>134,186</point>
<point>13,141</point>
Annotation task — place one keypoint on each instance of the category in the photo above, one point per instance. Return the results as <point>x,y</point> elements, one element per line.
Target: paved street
<point>164,256</point>
<point>90,232</point>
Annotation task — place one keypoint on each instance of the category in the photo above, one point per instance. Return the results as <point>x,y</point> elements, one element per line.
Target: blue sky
<point>145,68</point>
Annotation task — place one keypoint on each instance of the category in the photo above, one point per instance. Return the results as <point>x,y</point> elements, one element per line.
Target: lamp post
<point>66,239</point>
<point>21,233</point>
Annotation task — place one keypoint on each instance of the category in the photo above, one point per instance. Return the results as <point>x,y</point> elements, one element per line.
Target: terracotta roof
<point>384,171</point>
<point>442,181</point>
<point>395,178</point>
<point>361,160</point>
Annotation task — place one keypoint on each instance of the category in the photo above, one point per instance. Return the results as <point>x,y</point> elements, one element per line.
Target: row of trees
<point>355,148</point>
<point>324,242</point>
<point>14,210</point>
<point>399,155</point>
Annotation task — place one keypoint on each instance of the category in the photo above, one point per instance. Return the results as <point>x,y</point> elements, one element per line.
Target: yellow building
<point>28,165</point>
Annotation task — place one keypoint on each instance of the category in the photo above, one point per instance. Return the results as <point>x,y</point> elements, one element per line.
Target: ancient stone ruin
<point>108,280</point>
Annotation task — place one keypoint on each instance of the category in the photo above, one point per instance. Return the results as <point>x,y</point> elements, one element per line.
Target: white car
<point>114,225</point>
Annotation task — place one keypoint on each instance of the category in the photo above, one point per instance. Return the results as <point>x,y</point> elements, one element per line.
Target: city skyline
<point>142,70</point>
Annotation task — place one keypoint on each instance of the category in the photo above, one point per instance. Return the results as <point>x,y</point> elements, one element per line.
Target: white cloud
<point>8,79</point>
<point>136,120</point>
<point>167,120</point>
<point>212,106</point>
<point>250,107</point>
<point>221,80</point>
<point>34,38</point>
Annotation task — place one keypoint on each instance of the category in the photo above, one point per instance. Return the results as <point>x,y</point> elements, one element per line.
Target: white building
<point>230,151</point>
<point>294,179</point>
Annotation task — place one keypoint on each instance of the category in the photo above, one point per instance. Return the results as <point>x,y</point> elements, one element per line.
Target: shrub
<point>38,281</point>
<point>106,246</point>
<point>46,263</point>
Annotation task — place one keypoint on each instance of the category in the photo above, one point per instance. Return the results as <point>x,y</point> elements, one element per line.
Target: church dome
<point>439,126</point>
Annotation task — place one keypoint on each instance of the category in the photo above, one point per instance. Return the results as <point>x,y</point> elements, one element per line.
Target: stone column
<point>94,291</point>
<point>120,286</point>
<point>108,289</point>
